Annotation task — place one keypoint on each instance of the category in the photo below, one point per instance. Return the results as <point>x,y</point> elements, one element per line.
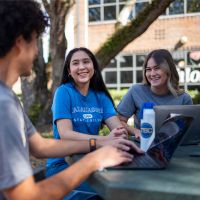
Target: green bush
<point>196,99</point>
<point>104,131</point>
<point>34,112</point>
<point>117,95</point>
<point>195,94</point>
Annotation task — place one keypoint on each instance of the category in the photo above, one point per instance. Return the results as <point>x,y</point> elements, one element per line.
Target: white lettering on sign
<point>189,76</point>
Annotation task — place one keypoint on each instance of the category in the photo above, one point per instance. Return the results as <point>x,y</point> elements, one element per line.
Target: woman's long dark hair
<point>96,82</point>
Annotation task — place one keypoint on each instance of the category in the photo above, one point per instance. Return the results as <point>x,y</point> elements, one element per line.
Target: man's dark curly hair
<point>19,17</point>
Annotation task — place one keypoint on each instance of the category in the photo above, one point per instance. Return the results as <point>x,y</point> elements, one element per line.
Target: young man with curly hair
<point>21,23</point>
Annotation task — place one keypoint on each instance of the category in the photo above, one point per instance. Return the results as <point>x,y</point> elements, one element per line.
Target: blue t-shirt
<point>86,112</point>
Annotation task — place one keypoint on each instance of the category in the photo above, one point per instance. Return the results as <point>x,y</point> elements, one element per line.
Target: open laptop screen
<point>193,135</point>
<point>168,137</point>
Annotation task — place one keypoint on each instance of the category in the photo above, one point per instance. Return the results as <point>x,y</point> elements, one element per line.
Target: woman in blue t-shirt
<point>81,104</point>
<point>160,86</point>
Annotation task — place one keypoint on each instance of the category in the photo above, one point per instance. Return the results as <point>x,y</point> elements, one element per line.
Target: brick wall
<point>165,32</point>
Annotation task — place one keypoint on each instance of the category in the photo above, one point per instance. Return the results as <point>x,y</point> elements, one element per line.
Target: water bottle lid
<point>146,105</point>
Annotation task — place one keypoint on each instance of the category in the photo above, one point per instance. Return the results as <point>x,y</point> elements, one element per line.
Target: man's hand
<point>109,156</point>
<point>120,143</point>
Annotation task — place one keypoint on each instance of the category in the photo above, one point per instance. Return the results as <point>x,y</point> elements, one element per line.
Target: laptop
<point>193,133</point>
<point>166,141</point>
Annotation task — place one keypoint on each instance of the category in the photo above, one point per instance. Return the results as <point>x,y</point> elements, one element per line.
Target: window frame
<point>185,70</point>
<point>118,3</point>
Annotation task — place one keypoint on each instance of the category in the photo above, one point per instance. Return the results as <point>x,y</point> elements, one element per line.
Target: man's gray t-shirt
<point>15,129</point>
<point>138,94</point>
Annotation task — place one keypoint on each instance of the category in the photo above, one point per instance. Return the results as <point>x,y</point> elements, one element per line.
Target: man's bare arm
<point>46,147</point>
<point>56,187</point>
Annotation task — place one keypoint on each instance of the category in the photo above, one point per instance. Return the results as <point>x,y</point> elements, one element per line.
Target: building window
<point>109,12</point>
<point>193,6</point>
<point>111,77</point>
<point>139,76</point>
<point>140,60</point>
<point>104,10</point>
<point>140,6</point>
<point>112,64</point>
<point>126,77</point>
<point>109,1</point>
<point>176,7</point>
<point>126,61</point>
<point>94,2</point>
<point>125,70</point>
<point>94,14</point>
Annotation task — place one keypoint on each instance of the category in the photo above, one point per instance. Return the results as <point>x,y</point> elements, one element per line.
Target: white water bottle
<point>147,126</point>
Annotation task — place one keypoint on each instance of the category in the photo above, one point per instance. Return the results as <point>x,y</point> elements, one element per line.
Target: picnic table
<point>180,180</point>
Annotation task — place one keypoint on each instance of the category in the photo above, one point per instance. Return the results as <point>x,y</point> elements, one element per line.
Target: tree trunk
<point>57,11</point>
<point>34,87</point>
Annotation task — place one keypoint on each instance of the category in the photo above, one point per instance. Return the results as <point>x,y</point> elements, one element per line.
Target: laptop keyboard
<point>144,161</point>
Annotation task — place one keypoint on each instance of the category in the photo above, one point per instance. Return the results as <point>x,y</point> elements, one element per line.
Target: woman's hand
<point>137,133</point>
<point>131,130</point>
<point>119,132</point>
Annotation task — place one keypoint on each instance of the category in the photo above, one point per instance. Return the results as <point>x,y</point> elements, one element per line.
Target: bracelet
<point>92,143</point>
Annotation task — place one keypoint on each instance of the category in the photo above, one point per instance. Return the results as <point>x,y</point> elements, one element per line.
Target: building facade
<point>177,29</point>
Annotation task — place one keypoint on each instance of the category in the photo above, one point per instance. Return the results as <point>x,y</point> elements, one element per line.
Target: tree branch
<point>47,7</point>
<point>123,36</point>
